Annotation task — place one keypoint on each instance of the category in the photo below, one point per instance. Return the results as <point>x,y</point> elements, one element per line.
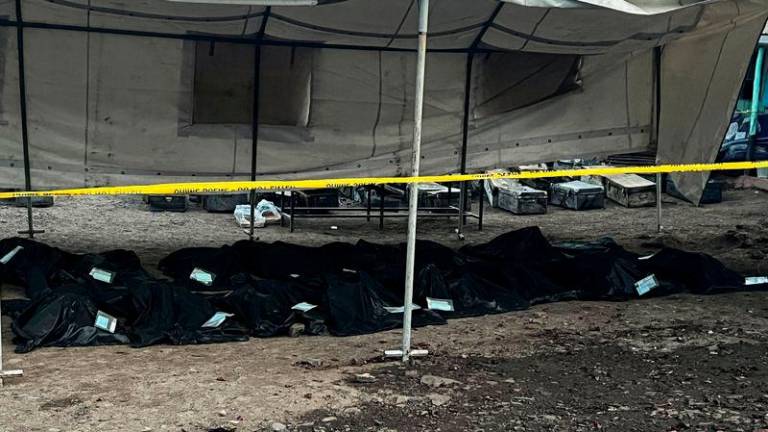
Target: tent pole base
<point>398,353</point>
<point>16,373</point>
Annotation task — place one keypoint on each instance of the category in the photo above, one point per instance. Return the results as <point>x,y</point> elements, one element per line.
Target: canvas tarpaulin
<point>152,93</point>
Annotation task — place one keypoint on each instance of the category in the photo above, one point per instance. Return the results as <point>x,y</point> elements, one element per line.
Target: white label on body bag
<point>105,276</point>
<point>7,258</point>
<point>400,309</point>
<point>756,280</point>
<point>204,277</point>
<point>445,305</point>
<point>217,319</point>
<point>105,321</point>
<point>647,257</point>
<point>643,286</point>
<point>303,307</point>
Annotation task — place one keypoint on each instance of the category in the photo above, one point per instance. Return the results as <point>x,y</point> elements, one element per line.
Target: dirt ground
<point>675,363</point>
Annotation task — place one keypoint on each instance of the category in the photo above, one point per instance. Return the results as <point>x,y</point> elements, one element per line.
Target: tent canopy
<point>152,90</point>
<point>552,26</point>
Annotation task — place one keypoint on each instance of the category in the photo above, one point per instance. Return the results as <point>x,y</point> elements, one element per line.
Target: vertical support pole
<point>413,201</point>
<point>255,113</point>
<point>368,206</point>
<point>293,208</point>
<point>755,105</point>
<point>464,139</point>
<point>659,226</point>
<point>382,191</point>
<point>657,128</point>
<point>255,130</point>
<point>5,373</point>
<point>23,114</point>
<point>656,118</point>
<point>481,206</point>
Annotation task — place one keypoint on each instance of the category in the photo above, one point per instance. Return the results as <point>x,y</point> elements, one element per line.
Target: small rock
<point>401,399</point>
<point>310,363</point>
<point>364,378</point>
<point>222,413</point>
<point>352,411</point>
<point>438,399</point>
<point>436,381</point>
<point>328,419</point>
<point>276,427</point>
<point>549,418</point>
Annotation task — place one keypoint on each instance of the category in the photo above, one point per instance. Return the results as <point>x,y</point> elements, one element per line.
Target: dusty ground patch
<point>646,365</point>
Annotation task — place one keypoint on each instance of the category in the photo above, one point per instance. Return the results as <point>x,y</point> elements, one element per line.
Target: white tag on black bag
<point>647,257</point>
<point>9,256</point>
<point>204,277</point>
<point>756,280</point>
<point>105,321</point>
<point>644,286</point>
<point>303,307</point>
<point>101,275</point>
<point>444,305</point>
<point>217,319</point>
<point>400,309</point>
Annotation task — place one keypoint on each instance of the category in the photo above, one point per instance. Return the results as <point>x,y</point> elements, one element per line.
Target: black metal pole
<point>657,96</point>
<point>255,132</point>
<point>23,113</point>
<point>465,125</point>
<point>464,139</point>
<point>657,129</point>
<point>381,207</point>
<point>368,206</point>
<point>481,206</point>
<point>293,208</point>
<point>255,112</point>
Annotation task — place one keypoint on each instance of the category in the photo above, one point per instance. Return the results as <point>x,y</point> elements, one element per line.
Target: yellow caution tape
<point>272,185</point>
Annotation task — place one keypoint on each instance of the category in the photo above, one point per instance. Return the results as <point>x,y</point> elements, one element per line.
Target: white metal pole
<point>5,373</point>
<point>413,202</point>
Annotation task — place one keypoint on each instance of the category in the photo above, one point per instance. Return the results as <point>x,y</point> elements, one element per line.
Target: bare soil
<point>676,363</point>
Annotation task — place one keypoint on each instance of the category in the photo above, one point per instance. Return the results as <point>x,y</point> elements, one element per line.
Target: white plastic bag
<point>265,212</point>
<point>243,217</point>
<point>269,211</point>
